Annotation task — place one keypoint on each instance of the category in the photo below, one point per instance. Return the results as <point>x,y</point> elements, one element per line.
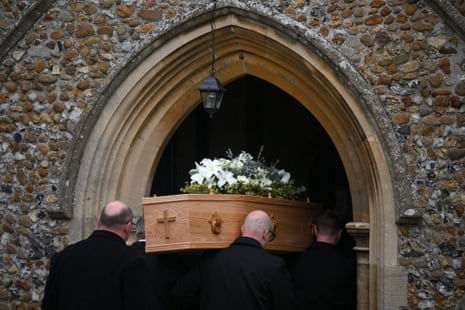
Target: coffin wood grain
<point>191,229</point>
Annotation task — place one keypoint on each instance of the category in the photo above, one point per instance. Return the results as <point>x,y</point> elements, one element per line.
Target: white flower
<point>236,164</point>
<point>225,177</point>
<point>197,178</point>
<point>261,173</point>
<point>244,157</point>
<point>265,182</point>
<point>285,176</point>
<point>222,174</point>
<point>205,171</point>
<point>209,167</point>
<point>243,179</point>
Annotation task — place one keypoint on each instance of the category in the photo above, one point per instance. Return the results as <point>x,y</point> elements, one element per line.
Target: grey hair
<point>258,222</point>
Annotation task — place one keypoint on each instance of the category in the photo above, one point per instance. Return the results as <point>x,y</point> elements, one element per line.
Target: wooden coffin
<point>177,223</point>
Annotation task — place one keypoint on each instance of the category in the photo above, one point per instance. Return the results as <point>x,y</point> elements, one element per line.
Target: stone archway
<point>120,155</point>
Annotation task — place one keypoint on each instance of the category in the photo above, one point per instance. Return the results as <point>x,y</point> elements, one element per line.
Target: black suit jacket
<point>324,279</point>
<point>100,272</point>
<point>243,276</point>
<point>165,270</point>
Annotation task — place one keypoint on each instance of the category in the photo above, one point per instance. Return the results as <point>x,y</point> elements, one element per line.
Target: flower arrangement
<point>241,174</point>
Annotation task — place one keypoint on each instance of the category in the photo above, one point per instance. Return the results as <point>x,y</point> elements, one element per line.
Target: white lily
<point>225,177</point>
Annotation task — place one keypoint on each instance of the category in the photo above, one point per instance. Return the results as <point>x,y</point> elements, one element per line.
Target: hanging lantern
<point>212,93</point>
<point>212,90</point>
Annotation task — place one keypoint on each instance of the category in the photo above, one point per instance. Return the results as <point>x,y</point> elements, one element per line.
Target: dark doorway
<point>254,114</point>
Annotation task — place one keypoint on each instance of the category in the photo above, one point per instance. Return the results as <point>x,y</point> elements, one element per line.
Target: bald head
<point>116,216</point>
<point>115,208</point>
<point>257,225</point>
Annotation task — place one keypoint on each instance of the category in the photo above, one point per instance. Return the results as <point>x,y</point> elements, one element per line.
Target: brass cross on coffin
<point>166,220</point>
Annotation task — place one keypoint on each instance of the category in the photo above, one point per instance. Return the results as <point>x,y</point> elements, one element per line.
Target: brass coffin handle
<point>215,222</point>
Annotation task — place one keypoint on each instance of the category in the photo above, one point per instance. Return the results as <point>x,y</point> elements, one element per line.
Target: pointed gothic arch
<point>122,141</point>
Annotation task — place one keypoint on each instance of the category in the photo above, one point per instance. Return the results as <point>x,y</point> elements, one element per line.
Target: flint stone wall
<point>56,57</point>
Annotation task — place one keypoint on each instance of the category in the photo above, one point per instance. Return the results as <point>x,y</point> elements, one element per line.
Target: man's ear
<point>315,230</point>
<point>339,233</point>
<point>127,228</point>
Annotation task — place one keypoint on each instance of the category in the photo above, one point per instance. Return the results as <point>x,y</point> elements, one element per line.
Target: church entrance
<point>255,115</point>
<point>148,130</point>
